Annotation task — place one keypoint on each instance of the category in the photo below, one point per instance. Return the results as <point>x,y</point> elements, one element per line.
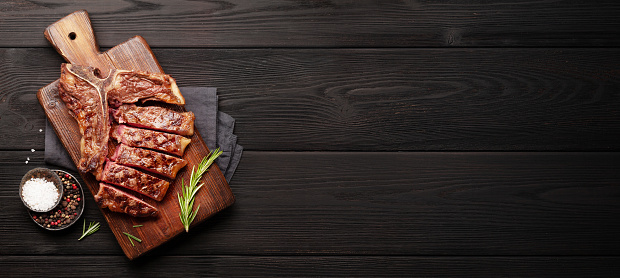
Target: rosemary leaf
<point>137,226</point>
<point>186,199</point>
<point>92,228</point>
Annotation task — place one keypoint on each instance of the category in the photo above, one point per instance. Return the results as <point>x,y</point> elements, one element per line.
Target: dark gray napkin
<point>215,127</point>
<point>226,140</point>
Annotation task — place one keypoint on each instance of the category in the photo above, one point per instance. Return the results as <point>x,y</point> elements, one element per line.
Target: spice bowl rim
<point>80,212</point>
<point>55,180</point>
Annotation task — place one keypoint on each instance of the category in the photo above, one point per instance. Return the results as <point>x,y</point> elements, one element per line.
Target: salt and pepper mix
<point>67,212</point>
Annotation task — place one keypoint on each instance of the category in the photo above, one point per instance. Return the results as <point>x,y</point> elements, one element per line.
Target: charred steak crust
<point>133,86</point>
<point>135,180</point>
<point>88,107</point>
<point>119,201</point>
<point>152,161</point>
<point>151,139</point>
<point>157,118</point>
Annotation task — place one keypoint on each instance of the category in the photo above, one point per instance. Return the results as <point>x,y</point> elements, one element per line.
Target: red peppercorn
<point>75,213</point>
<point>68,200</point>
<point>74,187</point>
<point>78,199</point>
<point>34,217</point>
<point>66,175</point>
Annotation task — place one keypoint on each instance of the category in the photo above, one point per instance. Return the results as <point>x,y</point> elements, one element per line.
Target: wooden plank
<point>312,266</point>
<point>73,38</point>
<point>375,203</point>
<point>370,99</point>
<point>340,23</point>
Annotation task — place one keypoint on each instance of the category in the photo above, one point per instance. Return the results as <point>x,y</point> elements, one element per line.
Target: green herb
<point>137,226</point>
<point>186,200</point>
<point>92,228</point>
<point>130,236</point>
<point>131,241</point>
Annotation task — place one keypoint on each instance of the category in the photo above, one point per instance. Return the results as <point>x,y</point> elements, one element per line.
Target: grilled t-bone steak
<point>81,91</point>
<point>152,161</point>
<point>157,118</point>
<point>135,180</point>
<point>132,86</point>
<point>150,139</point>
<point>88,99</point>
<point>120,201</point>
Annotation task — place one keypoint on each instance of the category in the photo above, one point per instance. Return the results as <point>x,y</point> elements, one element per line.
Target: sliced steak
<point>157,118</point>
<point>135,180</point>
<point>150,139</point>
<point>120,201</point>
<point>152,161</point>
<point>132,86</point>
<point>88,106</point>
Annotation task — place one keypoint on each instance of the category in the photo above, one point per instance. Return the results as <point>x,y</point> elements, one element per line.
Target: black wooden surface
<point>383,138</point>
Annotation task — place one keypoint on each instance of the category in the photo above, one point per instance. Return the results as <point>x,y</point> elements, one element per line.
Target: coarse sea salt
<point>40,194</point>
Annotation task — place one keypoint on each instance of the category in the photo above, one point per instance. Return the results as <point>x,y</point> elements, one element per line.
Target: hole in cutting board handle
<point>72,35</point>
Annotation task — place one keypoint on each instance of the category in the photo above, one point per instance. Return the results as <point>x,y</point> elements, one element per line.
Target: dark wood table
<point>382,138</point>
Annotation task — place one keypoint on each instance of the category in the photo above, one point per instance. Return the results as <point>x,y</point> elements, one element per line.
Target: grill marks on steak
<point>119,201</point>
<point>157,118</point>
<point>135,180</point>
<point>152,161</point>
<point>132,86</point>
<point>150,139</point>
<point>88,106</point>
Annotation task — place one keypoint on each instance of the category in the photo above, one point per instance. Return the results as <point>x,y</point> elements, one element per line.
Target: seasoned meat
<point>152,161</point>
<point>88,107</point>
<point>157,118</point>
<point>135,180</point>
<point>132,86</point>
<point>150,139</point>
<point>120,201</point>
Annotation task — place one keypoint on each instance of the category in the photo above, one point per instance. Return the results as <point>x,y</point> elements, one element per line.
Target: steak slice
<point>88,106</point>
<point>157,118</point>
<point>135,180</point>
<point>152,161</point>
<point>150,139</point>
<point>132,86</point>
<point>119,201</point>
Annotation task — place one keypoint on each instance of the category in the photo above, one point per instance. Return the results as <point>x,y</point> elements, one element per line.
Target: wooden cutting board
<point>74,39</point>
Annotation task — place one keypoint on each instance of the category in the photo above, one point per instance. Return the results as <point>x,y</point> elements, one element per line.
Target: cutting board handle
<point>74,39</point>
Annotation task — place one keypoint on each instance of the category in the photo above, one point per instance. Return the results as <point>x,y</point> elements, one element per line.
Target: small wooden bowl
<point>46,174</point>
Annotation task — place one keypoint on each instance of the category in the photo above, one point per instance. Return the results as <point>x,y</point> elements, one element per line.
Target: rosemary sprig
<point>130,236</point>
<point>186,199</point>
<point>92,228</point>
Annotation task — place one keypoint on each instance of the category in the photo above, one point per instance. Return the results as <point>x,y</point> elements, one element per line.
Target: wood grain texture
<point>215,194</point>
<point>373,99</point>
<point>312,266</point>
<point>336,23</point>
<point>421,203</point>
